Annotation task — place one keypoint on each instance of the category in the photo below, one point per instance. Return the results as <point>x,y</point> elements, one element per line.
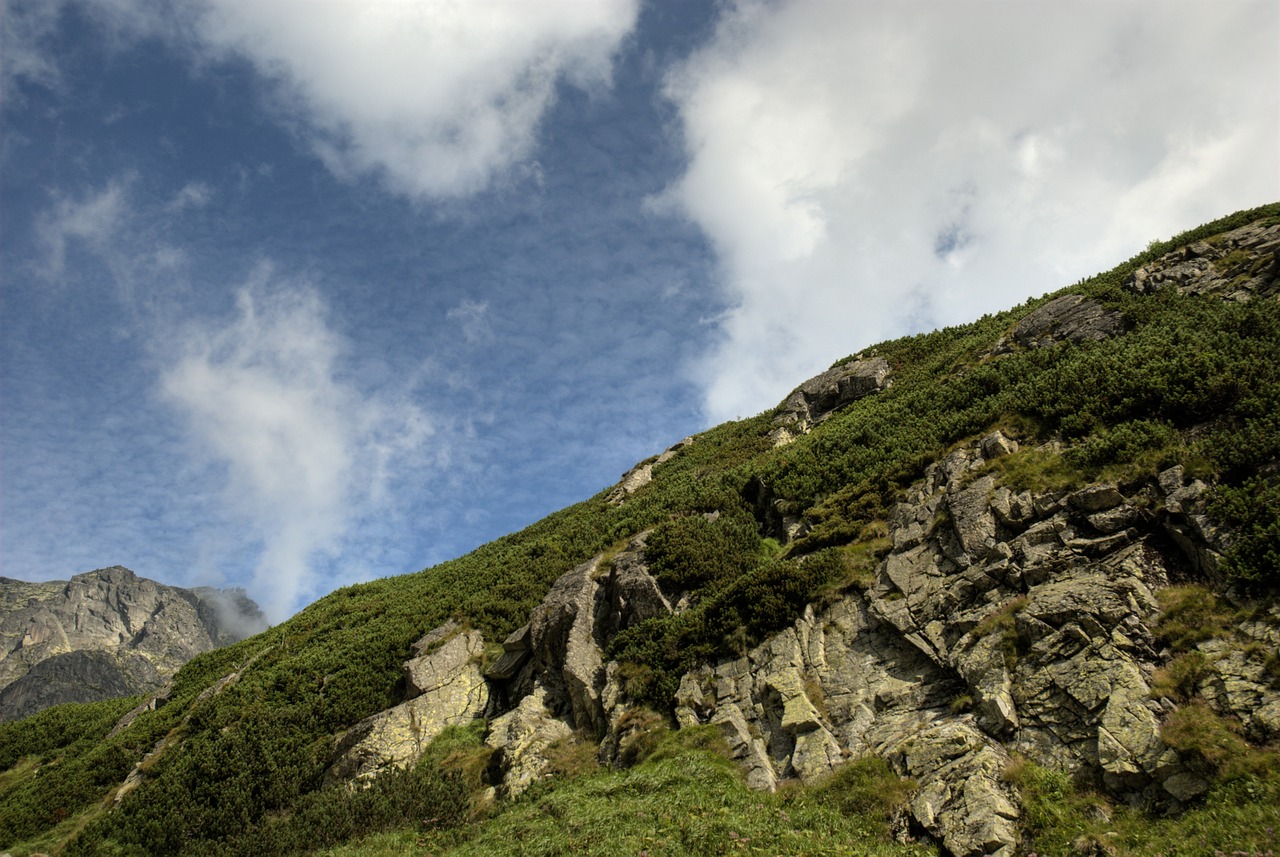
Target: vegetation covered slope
<point>234,762</point>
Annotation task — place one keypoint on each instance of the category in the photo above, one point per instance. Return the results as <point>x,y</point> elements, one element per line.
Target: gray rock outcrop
<point>552,680</point>
<point>445,688</point>
<point>520,739</point>
<point>79,676</point>
<point>107,633</point>
<point>642,474</point>
<point>817,398</point>
<point>1241,265</point>
<point>1000,622</point>
<point>1069,318</point>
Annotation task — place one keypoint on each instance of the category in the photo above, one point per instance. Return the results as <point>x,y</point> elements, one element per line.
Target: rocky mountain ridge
<point>107,633</point>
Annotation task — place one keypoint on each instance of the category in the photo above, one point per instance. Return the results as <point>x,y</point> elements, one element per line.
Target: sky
<point>300,293</point>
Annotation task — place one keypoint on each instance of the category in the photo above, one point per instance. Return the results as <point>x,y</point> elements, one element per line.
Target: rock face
<point>445,689</point>
<point>80,676</point>
<point>818,397</point>
<point>552,681</point>
<point>642,474</point>
<point>107,633</point>
<point>1000,622</point>
<point>1070,318</point>
<point>1241,265</point>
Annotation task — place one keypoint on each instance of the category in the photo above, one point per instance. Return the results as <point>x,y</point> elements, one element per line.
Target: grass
<point>1035,469</point>
<point>20,771</point>
<point>1197,731</point>
<point>687,798</point>
<point>1180,677</point>
<point>859,563</point>
<point>1240,816</point>
<point>54,839</point>
<point>1003,621</point>
<point>1190,614</point>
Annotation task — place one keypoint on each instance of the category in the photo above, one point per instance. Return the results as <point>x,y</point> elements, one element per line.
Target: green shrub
<point>1252,512</point>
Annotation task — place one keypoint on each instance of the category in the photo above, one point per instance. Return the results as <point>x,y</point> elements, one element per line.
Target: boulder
<point>972,517</point>
<point>961,798</point>
<point>566,656</point>
<point>561,650</point>
<point>631,593</point>
<point>521,738</point>
<point>447,690</point>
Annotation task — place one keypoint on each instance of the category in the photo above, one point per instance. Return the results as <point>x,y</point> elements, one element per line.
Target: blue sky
<point>298,293</point>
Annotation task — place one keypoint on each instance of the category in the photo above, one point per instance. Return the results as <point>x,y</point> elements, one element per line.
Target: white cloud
<point>192,195</point>
<point>472,318</point>
<point>94,219</point>
<point>28,26</point>
<point>869,169</point>
<point>306,453</point>
<point>436,96</point>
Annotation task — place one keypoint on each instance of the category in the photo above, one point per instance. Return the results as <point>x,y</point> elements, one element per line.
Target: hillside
<point>1007,587</point>
<point>106,634</point>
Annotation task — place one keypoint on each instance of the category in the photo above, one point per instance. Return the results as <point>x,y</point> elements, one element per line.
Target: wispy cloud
<point>863,173</point>
<point>434,96</point>
<point>472,318</point>
<point>24,26</point>
<point>305,452</point>
<point>28,26</point>
<point>93,218</point>
<point>192,195</point>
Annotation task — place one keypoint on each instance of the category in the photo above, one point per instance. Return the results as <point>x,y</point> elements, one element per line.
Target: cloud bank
<point>305,452</point>
<point>435,96</point>
<point>863,173</point>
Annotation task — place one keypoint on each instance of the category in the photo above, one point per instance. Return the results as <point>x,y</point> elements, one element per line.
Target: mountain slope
<point>105,634</point>
<point>1082,486</point>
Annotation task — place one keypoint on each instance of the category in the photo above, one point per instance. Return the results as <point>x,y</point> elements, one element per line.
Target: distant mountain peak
<point>106,633</point>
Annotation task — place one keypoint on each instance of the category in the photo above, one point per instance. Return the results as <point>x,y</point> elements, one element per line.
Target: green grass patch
<point>687,798</point>
<point>1240,815</point>
<point>1180,678</point>
<point>1037,470</point>
<point>1190,614</point>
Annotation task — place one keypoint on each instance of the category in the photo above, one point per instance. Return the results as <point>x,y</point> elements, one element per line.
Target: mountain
<point>106,634</point>
<point>1007,587</point>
